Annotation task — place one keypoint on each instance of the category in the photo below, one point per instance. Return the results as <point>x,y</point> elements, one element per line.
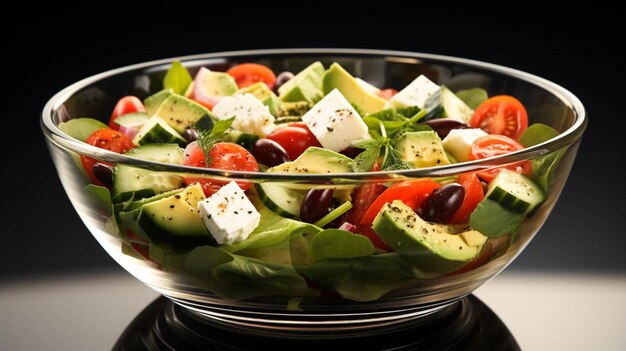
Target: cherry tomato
<point>502,114</point>
<point>246,74</point>
<point>295,139</point>
<point>412,193</point>
<point>107,139</point>
<point>473,195</point>
<point>126,105</point>
<point>226,156</point>
<point>495,145</point>
<point>387,94</point>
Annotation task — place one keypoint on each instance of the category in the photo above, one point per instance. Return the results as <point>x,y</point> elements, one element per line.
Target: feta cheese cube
<point>335,123</point>
<point>229,215</point>
<point>251,116</point>
<point>459,142</point>
<point>414,94</point>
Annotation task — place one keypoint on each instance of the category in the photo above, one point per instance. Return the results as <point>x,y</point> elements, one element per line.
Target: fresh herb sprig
<point>211,132</point>
<point>392,159</point>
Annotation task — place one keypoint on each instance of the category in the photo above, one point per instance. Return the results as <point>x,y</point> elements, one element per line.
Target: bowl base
<point>315,326</point>
<point>461,325</point>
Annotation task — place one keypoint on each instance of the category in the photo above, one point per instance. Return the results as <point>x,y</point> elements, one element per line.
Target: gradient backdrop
<point>43,235</point>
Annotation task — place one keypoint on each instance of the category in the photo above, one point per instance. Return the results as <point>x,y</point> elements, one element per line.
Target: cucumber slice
<point>144,183</point>
<point>132,119</point>
<point>283,201</point>
<point>515,192</point>
<point>157,131</point>
<point>244,139</point>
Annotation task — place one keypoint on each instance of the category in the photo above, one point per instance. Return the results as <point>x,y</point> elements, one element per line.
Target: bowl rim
<point>566,138</point>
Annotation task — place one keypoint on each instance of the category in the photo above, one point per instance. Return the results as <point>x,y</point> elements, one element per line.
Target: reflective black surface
<point>467,325</point>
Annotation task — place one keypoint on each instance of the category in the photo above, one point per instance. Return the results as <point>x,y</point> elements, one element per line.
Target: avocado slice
<point>152,102</point>
<point>338,78</point>
<point>431,247</point>
<point>304,86</point>
<point>316,160</point>
<point>181,113</point>
<point>424,149</point>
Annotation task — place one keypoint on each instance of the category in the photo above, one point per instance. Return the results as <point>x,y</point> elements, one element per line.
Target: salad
<point>244,239</point>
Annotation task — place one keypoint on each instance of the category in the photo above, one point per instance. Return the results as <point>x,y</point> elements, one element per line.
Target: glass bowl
<point>289,293</point>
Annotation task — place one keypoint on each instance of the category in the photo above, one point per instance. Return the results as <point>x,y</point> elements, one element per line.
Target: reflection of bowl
<point>389,288</point>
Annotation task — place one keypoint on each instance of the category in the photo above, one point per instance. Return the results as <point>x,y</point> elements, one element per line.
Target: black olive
<point>104,173</point>
<point>443,126</point>
<point>443,202</point>
<point>269,152</point>
<point>316,204</point>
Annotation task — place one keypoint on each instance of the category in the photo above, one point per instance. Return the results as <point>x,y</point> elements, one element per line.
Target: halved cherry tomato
<point>502,114</point>
<point>363,197</point>
<point>295,139</point>
<point>247,74</point>
<point>226,156</point>
<point>473,195</point>
<point>412,193</point>
<point>495,145</point>
<point>387,94</point>
<point>107,139</point>
<point>126,105</point>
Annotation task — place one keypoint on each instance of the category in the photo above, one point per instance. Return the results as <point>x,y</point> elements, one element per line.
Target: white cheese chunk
<point>251,116</point>
<point>335,123</point>
<point>229,215</point>
<point>459,142</point>
<point>414,94</point>
<point>367,86</point>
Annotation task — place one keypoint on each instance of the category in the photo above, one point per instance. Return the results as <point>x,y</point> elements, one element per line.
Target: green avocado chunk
<point>152,102</point>
<point>338,78</point>
<point>305,86</point>
<point>423,149</point>
<point>181,113</point>
<point>316,160</point>
<point>431,247</point>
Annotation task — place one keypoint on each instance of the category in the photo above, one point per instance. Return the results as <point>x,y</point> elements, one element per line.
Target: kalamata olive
<point>442,203</point>
<point>190,135</point>
<point>269,152</point>
<point>104,173</point>
<point>351,151</point>
<point>282,78</point>
<point>443,126</point>
<point>316,204</point>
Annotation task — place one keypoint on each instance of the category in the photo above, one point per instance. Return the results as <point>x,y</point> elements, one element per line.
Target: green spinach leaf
<point>493,220</point>
<point>335,243</point>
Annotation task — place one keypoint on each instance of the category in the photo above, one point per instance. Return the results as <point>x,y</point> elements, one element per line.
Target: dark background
<point>575,48</point>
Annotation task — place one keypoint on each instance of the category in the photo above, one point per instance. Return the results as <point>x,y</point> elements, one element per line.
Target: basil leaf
<point>364,161</point>
<point>366,143</point>
<point>544,168</point>
<point>493,220</point>
<point>240,277</point>
<point>363,278</point>
<point>473,97</point>
<point>101,196</point>
<point>537,133</point>
<point>177,78</point>
<point>335,243</point>
<point>81,128</point>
